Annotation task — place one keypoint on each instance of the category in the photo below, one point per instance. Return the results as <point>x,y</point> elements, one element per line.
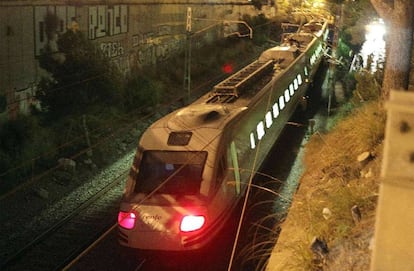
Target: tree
<point>81,80</point>
<point>398,16</point>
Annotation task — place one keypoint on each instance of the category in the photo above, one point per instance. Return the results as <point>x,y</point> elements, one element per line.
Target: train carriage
<point>193,166</point>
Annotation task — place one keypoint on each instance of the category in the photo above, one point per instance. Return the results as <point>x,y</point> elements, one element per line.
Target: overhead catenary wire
<point>31,161</point>
<point>37,177</point>
<point>31,98</point>
<point>95,77</point>
<point>253,169</point>
<point>199,87</point>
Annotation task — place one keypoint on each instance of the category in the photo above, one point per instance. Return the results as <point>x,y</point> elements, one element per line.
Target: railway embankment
<point>330,224</point>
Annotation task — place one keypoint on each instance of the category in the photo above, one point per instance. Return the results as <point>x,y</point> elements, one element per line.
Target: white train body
<point>193,166</point>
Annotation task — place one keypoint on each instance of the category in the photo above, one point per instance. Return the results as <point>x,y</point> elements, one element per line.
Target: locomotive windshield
<point>180,171</point>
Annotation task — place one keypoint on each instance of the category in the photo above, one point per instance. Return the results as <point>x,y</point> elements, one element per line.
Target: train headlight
<point>126,220</point>
<point>192,223</point>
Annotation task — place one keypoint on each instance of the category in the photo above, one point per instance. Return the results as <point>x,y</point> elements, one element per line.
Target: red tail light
<point>192,223</point>
<point>126,220</point>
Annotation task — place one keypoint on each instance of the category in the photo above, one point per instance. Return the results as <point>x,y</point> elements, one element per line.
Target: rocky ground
<point>37,205</point>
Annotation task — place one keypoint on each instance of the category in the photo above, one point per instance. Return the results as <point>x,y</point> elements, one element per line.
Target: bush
<point>142,92</point>
<point>367,88</point>
<point>22,141</point>
<point>82,82</point>
<point>81,76</point>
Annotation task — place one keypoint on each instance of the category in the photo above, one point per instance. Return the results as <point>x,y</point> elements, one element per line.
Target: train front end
<point>165,202</point>
<point>164,209</point>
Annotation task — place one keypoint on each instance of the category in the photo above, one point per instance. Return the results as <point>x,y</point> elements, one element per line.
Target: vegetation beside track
<point>333,183</point>
<point>32,145</point>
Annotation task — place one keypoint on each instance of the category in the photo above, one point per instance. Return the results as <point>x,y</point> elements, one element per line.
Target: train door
<point>234,169</point>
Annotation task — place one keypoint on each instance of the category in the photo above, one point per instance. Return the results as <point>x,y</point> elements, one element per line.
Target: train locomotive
<point>194,165</point>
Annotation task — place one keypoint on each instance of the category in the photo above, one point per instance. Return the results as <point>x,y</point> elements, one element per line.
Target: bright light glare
<point>192,223</point>
<point>269,120</point>
<point>252,141</point>
<point>318,5</point>
<point>260,130</point>
<point>126,220</point>
<point>376,29</point>
<point>374,44</point>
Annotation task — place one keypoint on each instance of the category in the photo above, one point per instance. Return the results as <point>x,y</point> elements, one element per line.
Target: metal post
<point>187,57</point>
<point>332,65</point>
<point>190,33</point>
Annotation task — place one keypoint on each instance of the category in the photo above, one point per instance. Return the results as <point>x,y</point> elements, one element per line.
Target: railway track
<point>59,244</point>
<point>25,229</point>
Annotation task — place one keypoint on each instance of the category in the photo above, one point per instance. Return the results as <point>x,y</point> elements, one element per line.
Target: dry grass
<point>334,154</point>
<point>335,180</point>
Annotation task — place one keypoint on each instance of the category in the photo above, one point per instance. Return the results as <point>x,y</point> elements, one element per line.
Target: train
<point>193,166</point>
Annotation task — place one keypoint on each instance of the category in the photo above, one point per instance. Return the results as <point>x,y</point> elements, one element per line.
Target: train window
<point>179,138</point>
<point>171,172</point>
<point>295,83</point>
<point>287,96</point>
<point>260,130</point>
<point>281,103</point>
<point>291,90</point>
<point>300,78</point>
<point>275,110</point>
<point>252,141</point>
<point>235,161</point>
<point>221,169</point>
<point>268,119</point>
<point>305,70</point>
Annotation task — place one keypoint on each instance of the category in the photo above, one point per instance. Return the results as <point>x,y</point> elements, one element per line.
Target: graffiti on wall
<point>112,49</point>
<point>156,46</point>
<point>122,63</point>
<point>158,49</point>
<point>104,21</point>
<point>66,16</point>
<point>153,36</point>
<point>107,20</point>
<point>116,51</point>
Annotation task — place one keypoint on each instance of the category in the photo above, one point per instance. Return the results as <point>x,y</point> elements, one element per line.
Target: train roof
<point>198,116</point>
<point>233,95</point>
<point>279,54</point>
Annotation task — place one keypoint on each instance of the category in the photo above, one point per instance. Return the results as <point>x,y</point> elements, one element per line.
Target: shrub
<point>142,92</point>
<point>22,141</point>
<point>81,76</point>
<point>367,88</point>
